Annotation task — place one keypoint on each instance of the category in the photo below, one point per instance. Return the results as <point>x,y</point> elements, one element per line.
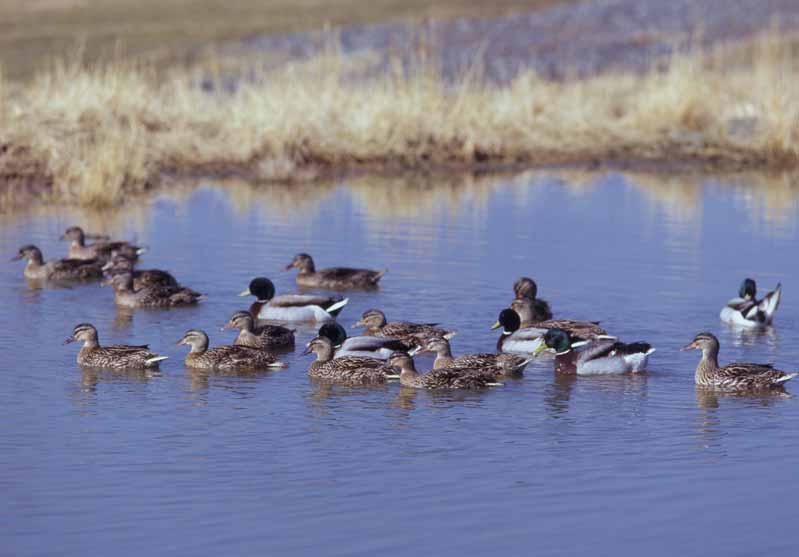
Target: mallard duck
<point>411,334</point>
<point>290,307</point>
<point>748,311</point>
<point>334,278</point>
<point>225,358</point>
<point>262,337</point>
<point>57,269</point>
<point>119,264</point>
<point>736,376</point>
<point>92,354</point>
<point>447,378</point>
<point>501,364</point>
<point>151,296</point>
<point>101,250</point>
<point>594,357</point>
<point>526,289</point>
<point>371,347</point>
<point>514,338</point>
<point>348,369</point>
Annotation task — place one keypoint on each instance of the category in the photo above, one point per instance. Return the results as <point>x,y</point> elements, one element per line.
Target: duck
<point>735,376</point>
<point>525,288</point>
<point>101,250</point>
<point>411,334</point>
<point>291,307</point>
<point>747,311</point>
<point>120,264</point>
<point>347,369</point>
<point>514,338</point>
<point>501,364</point>
<point>227,357</point>
<point>596,356</point>
<point>92,354</point>
<point>151,296</point>
<point>367,346</point>
<point>264,337</point>
<point>334,278</point>
<point>57,269</point>
<point>446,378</point>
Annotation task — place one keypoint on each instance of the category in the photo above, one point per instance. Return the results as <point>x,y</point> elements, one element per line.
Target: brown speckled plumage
<point>57,269</point>
<point>538,310</point>
<point>411,334</point>
<point>735,376</point>
<point>151,296</point>
<point>347,369</point>
<point>499,364</point>
<point>264,337</point>
<point>225,357</point>
<point>102,250</point>
<point>112,357</point>
<point>334,278</point>
<point>447,378</point>
<point>120,264</point>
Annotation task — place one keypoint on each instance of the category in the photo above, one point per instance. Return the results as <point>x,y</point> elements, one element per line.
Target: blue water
<point>182,462</point>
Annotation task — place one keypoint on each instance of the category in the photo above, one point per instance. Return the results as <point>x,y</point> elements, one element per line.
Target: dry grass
<point>93,135</point>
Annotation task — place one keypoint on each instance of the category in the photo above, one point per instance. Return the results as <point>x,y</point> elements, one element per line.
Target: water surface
<point>189,463</point>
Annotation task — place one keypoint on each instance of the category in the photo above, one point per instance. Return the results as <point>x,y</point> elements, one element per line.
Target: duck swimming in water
<point>291,307</point>
<point>735,376</point>
<point>595,357</point>
<point>367,346</point>
<point>92,354</point>
<point>747,311</point>
<point>57,269</point>
<point>334,278</point>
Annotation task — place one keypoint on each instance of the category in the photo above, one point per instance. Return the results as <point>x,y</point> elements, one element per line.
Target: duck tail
<point>787,377</point>
<point>450,334</point>
<point>155,360</point>
<point>336,308</point>
<point>142,249</point>
<point>378,275</point>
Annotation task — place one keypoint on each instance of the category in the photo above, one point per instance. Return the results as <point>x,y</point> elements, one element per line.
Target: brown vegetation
<point>94,134</point>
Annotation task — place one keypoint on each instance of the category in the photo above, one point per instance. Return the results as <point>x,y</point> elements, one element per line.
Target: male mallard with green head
<point>594,357</point>
<point>290,307</point>
<point>747,311</point>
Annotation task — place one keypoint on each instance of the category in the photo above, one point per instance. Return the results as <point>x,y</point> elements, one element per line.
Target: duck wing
<point>302,300</point>
<point>582,330</point>
<point>769,304</point>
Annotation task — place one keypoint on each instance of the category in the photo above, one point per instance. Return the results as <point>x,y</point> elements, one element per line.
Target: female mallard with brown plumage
<point>526,289</point>
<point>99,250</point>
<point>92,354</point>
<point>151,296</point>
<point>411,334</point>
<point>334,278</point>
<point>226,357</point>
<point>501,364</point>
<point>601,356</point>
<point>290,307</point>
<point>514,338</point>
<point>447,378</point>
<point>747,311</point>
<point>735,376</point>
<point>57,269</point>
<point>264,337</point>
<point>119,264</point>
<point>347,369</point>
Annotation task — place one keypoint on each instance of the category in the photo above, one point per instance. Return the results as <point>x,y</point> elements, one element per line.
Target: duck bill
<point>16,257</point>
<point>688,347</point>
<point>496,325</point>
<point>181,341</point>
<point>245,293</point>
<point>540,348</point>
<point>306,351</point>
<point>358,324</point>
<point>289,267</point>
<point>69,340</point>
<point>226,326</point>
<point>108,266</point>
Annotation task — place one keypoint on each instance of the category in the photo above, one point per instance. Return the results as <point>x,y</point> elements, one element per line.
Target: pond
<point>180,462</point>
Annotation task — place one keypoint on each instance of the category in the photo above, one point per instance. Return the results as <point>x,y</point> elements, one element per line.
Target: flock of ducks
<point>386,349</point>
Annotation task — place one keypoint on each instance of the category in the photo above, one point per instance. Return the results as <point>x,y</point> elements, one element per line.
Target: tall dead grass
<point>96,134</point>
